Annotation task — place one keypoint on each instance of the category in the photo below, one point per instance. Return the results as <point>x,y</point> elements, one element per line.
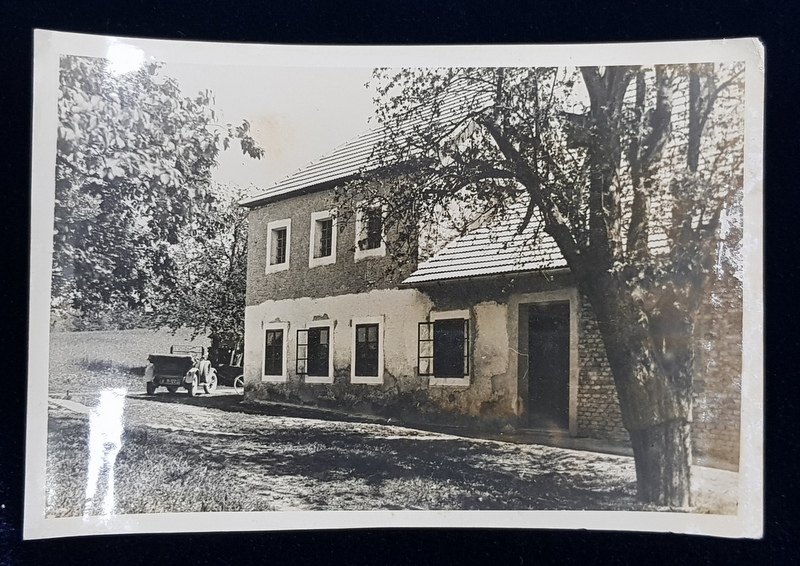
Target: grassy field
<point>276,464</point>
<point>179,457</point>
<point>83,362</point>
<point>152,475</point>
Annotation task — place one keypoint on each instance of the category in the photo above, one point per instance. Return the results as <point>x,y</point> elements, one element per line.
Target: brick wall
<point>718,374</point>
<point>598,408</point>
<point>717,379</point>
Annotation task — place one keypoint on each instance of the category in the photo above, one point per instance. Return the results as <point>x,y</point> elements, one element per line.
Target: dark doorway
<point>548,365</point>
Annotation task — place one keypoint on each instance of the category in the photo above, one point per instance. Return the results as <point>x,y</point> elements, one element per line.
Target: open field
<point>85,362</point>
<point>152,475</point>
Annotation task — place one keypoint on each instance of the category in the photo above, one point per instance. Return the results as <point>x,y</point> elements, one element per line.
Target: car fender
<point>191,376</point>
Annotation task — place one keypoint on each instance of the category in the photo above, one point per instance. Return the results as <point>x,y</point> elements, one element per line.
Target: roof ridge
<point>350,157</point>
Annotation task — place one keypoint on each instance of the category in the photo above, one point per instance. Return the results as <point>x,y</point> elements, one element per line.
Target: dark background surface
<point>413,22</point>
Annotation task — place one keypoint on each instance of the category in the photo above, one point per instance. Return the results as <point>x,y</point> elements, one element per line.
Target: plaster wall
<point>488,395</point>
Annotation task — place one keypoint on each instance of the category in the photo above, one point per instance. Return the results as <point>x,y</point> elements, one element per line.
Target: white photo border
<point>50,45</point>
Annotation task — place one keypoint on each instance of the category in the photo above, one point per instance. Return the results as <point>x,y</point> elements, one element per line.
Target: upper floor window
<point>279,235</point>
<point>370,232</point>
<point>322,246</point>
<point>443,348</point>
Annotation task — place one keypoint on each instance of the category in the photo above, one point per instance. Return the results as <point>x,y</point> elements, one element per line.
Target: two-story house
<point>489,331</point>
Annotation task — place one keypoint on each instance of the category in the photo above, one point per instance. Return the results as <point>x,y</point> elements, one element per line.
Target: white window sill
<point>273,379</point>
<point>317,261</point>
<point>450,381</point>
<point>375,252</point>
<point>366,379</point>
<point>273,268</point>
<point>318,379</point>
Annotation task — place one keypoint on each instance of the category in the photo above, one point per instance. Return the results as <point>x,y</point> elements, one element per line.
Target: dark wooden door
<point>548,365</point>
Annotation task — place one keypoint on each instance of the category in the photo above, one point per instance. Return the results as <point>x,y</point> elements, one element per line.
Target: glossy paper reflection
<point>105,440</point>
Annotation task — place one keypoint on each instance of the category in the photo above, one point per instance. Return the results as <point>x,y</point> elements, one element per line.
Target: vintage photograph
<point>279,287</point>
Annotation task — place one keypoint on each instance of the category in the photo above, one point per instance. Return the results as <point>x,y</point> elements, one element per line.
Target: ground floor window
<point>367,349</point>
<point>443,349</point>
<point>274,361</point>
<point>313,352</point>
<point>273,353</point>
<point>367,358</point>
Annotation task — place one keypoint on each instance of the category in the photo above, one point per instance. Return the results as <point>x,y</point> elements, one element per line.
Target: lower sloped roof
<point>493,249</point>
<point>497,248</point>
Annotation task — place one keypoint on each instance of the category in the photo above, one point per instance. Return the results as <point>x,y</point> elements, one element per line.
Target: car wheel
<point>150,387</point>
<point>172,388</point>
<point>192,388</point>
<point>238,385</point>
<point>211,382</point>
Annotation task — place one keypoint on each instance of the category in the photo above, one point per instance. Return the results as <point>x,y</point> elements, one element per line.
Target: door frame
<point>523,301</point>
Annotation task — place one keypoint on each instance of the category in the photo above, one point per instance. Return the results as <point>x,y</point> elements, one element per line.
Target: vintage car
<point>227,360</point>
<point>184,366</point>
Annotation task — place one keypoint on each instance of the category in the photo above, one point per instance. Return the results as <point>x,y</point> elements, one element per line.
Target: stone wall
<point>345,276</point>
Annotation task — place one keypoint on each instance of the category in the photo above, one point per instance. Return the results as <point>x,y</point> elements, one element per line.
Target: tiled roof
<point>356,156</point>
<point>492,250</point>
<point>343,162</point>
<point>497,249</point>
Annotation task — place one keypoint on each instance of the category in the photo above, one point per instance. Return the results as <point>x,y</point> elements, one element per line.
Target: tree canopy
<point>210,273</point>
<point>133,172</point>
<point>629,169</point>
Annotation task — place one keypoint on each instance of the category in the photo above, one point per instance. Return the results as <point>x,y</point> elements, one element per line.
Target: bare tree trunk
<point>651,364</point>
<point>662,454</point>
<point>660,428</point>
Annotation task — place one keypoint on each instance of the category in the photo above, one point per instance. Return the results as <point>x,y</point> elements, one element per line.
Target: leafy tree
<point>629,169</point>
<point>210,273</point>
<point>133,167</point>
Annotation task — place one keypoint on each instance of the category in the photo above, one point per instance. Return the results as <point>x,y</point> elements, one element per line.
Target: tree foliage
<point>133,170</point>
<point>210,273</point>
<point>629,169</point>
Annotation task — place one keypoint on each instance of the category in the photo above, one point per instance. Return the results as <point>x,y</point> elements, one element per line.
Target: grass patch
<point>88,361</point>
<point>110,366</point>
<point>153,474</point>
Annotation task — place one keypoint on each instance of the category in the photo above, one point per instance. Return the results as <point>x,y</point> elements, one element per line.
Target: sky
<point>297,114</point>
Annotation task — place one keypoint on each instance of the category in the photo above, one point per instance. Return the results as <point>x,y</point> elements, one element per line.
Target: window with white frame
<point>367,350</point>
<point>322,240</point>
<point>370,232</point>
<point>275,350</point>
<point>279,237</point>
<point>314,353</point>
<point>443,348</point>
